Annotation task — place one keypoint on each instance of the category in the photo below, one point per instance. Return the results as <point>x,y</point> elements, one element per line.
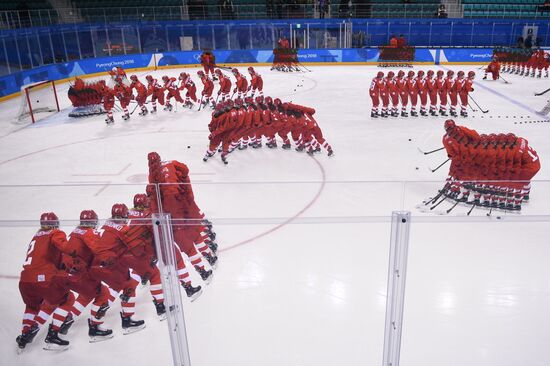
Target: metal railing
<point>38,18</point>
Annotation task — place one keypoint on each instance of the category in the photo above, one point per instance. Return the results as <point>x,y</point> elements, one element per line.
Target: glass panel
<point>86,44</point>
<point>71,42</point>
<point>3,59</point>
<point>46,47</point>
<point>24,52</point>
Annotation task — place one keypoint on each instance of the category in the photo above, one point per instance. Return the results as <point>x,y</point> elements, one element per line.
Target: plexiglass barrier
<point>302,275</point>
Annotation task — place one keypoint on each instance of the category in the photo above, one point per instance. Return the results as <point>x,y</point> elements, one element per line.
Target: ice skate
<point>143,112</point>
<point>213,246</point>
<point>423,113</point>
<point>404,114</point>
<point>97,334</point>
<point>161,310</point>
<point>26,338</point>
<point>212,260</point>
<point>224,159</point>
<point>205,275</point>
<point>286,146</point>
<point>109,120</point>
<point>414,114</point>
<point>154,110</point>
<point>126,117</point>
<point>192,292</point>
<point>373,114</point>
<point>130,326</point>
<point>66,324</point>
<point>53,342</point>
<point>463,114</point>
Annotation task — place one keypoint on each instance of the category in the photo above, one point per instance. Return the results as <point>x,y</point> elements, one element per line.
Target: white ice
<point>304,241</point>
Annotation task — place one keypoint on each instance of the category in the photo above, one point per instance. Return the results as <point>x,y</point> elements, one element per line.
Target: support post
<point>164,242</point>
<point>397,273</point>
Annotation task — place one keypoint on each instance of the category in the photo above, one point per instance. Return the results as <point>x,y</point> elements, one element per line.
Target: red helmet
<point>229,103</point>
<point>141,200</point>
<point>493,137</point>
<point>440,73</point>
<point>239,102</point>
<point>379,75</point>
<point>165,78</point>
<point>483,138</point>
<point>248,100</point>
<point>88,218</point>
<point>400,73</point>
<point>118,80</point>
<point>259,99</point>
<point>153,158</point>
<point>133,78</point>
<point>449,125</point>
<point>251,70</point>
<point>277,101</point>
<point>149,78</point>
<point>430,73</point>
<point>450,73</point>
<point>218,72</point>
<point>471,74</point>
<point>410,74</point>
<point>268,100</point>
<point>200,73</point>
<point>510,138</point>
<point>420,73</point>
<point>235,71</point>
<point>391,75</point>
<point>460,74</point>
<point>49,219</point>
<point>119,210</point>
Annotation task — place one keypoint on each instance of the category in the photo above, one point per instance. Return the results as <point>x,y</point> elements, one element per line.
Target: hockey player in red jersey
<point>241,84</point>
<point>225,85</point>
<point>208,62</point>
<point>384,97</point>
<point>493,68</point>
<point>156,91</point>
<point>141,94</point>
<point>108,96</point>
<point>256,83</point>
<point>42,283</point>
<point>108,267</point>
<point>89,289</point>
<point>207,90</point>
<point>393,93</point>
<point>412,89</point>
<point>453,87</point>
<point>441,86</point>
<point>172,92</point>
<point>401,84</point>
<point>119,73</point>
<point>466,88</point>
<point>191,94</point>
<point>432,86</point>
<point>175,200</point>
<point>124,95</point>
<point>374,92</point>
<point>422,91</point>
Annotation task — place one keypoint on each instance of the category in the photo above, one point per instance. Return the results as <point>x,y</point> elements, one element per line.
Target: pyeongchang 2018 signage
<point>468,55</point>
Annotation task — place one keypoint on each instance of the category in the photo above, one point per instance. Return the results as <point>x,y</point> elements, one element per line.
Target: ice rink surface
<point>304,240</point>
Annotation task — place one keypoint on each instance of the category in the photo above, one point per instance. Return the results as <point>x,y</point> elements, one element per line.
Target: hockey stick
<point>481,109</point>
<point>133,110</point>
<point>473,110</point>
<point>200,106</point>
<point>456,203</point>
<point>437,204</point>
<point>542,93</point>
<point>469,212</point>
<point>505,81</point>
<point>440,165</point>
<point>430,152</point>
<point>224,67</point>
<point>302,65</point>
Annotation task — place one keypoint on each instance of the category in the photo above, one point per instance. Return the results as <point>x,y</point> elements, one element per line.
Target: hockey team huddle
<point>491,171</point>
<point>169,91</point>
<point>246,122</point>
<point>538,61</point>
<point>438,88</point>
<point>63,274</point>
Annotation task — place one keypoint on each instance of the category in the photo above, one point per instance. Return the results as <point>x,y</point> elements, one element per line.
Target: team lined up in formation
<point>170,90</point>
<point>433,87</point>
<point>488,170</point>
<point>538,61</point>
<point>62,275</point>
<point>242,123</point>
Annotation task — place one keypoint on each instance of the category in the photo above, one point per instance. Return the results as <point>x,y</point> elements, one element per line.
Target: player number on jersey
<point>29,253</point>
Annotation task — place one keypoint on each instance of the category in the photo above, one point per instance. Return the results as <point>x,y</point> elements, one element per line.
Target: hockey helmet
<point>183,76</point>
<point>200,73</point>
<point>234,71</point>
<point>218,72</point>
<point>391,75</point>
<point>410,74</point>
<point>430,73</point>
<point>492,138</point>
<point>149,78</point>
<point>88,218</point>
<point>268,100</point>
<point>379,75</point>
<point>141,200</point>
<point>277,101</point>
<point>259,99</point>
<point>165,78</point>
<point>450,73</point>
<point>49,220</point>
<point>471,74</point>
<point>460,74</point>
<point>440,73</point>
<point>510,138</point>
<point>449,125</point>
<point>119,210</point>
<point>239,102</point>
<point>153,158</point>
<point>420,73</point>
<point>400,73</point>
<point>133,78</point>
<point>251,70</point>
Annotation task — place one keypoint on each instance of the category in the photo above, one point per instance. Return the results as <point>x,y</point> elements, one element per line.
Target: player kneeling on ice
<point>43,286</point>
<point>493,68</point>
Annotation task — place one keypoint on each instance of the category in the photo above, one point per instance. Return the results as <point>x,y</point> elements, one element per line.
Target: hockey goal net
<point>38,100</point>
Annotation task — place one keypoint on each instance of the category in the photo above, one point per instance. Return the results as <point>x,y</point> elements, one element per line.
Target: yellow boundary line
<point>87,76</point>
